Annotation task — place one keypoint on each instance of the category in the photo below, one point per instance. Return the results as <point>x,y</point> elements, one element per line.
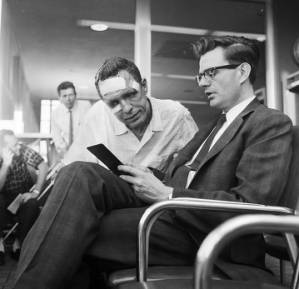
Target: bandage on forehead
<point>116,83</point>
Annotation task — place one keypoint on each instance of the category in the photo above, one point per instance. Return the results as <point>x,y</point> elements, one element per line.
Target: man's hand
<point>28,196</point>
<point>147,187</point>
<point>7,155</point>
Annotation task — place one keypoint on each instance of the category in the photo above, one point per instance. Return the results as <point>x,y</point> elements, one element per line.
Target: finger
<point>129,179</point>
<point>130,164</point>
<point>128,169</point>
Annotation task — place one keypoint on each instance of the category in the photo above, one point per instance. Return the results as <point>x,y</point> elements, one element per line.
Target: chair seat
<point>276,247</point>
<point>154,273</point>
<point>232,272</point>
<point>188,284</point>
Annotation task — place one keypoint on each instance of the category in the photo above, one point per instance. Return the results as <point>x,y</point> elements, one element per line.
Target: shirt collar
<point>66,109</point>
<point>156,121</point>
<point>237,109</point>
<point>155,124</point>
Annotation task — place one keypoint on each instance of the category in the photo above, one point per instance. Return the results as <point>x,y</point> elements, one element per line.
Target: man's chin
<point>132,124</point>
<point>214,103</point>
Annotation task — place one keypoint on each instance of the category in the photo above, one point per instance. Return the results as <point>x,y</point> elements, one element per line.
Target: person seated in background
<point>137,128</point>
<point>16,184</point>
<point>67,117</point>
<point>245,157</point>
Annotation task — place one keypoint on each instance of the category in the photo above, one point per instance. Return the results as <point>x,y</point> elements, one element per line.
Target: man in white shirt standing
<point>67,117</point>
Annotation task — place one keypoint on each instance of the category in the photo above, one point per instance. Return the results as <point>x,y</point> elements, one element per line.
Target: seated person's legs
<point>115,247</point>
<point>26,215</point>
<point>69,222</point>
<point>2,226</point>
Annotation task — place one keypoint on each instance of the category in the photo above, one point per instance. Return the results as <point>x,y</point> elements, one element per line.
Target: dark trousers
<point>25,216</point>
<point>90,211</point>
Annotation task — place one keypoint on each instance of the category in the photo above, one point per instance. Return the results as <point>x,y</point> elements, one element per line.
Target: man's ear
<point>144,84</point>
<point>245,70</point>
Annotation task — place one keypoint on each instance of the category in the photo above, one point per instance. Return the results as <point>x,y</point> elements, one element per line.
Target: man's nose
<point>125,105</point>
<point>203,82</point>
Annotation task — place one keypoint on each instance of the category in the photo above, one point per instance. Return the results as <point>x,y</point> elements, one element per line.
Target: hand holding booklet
<point>107,157</point>
<point>15,204</point>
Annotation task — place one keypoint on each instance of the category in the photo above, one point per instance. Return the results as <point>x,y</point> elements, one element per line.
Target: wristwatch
<point>35,192</point>
<point>296,51</point>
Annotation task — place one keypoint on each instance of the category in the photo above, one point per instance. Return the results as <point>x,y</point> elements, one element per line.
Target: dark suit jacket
<point>249,163</point>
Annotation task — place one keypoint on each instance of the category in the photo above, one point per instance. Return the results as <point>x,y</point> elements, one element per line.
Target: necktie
<point>70,127</point>
<point>206,146</point>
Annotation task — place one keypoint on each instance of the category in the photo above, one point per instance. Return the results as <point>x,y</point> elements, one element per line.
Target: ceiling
<point>54,48</point>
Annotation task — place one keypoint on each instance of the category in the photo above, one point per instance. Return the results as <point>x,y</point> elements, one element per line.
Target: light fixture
<point>98,27</point>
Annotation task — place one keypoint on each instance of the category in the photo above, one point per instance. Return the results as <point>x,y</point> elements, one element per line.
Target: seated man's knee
<point>31,204</point>
<point>2,202</point>
<point>78,166</point>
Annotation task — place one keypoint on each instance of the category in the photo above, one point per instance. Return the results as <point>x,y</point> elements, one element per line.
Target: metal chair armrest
<point>154,211</point>
<point>233,228</point>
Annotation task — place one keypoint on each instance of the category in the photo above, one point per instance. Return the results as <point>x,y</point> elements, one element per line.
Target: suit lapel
<point>229,133</point>
<point>224,139</point>
<point>189,150</point>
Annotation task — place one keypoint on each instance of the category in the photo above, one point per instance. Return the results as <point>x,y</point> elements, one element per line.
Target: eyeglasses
<point>209,74</point>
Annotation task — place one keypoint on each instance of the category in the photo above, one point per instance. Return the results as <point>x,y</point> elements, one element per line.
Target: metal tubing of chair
<point>45,190</point>
<point>292,247</point>
<point>231,229</point>
<point>295,279</point>
<point>10,231</point>
<point>143,245</point>
<point>149,217</point>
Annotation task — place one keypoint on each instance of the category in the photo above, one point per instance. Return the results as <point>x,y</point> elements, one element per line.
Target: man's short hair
<point>112,66</point>
<point>65,85</point>
<point>237,50</point>
<point>3,133</point>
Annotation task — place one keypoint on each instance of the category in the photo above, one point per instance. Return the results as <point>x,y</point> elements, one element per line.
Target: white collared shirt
<point>170,128</point>
<point>60,123</point>
<point>230,117</point>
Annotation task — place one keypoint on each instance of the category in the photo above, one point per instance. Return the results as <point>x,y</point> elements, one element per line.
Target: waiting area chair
<point>212,246</point>
<point>286,206</point>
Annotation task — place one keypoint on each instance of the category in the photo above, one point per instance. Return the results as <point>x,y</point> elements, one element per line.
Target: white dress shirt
<point>60,123</point>
<point>170,128</point>
<point>230,117</point>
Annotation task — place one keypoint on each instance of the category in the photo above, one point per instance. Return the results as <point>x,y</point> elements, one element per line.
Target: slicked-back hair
<point>65,85</point>
<point>112,66</point>
<point>237,50</point>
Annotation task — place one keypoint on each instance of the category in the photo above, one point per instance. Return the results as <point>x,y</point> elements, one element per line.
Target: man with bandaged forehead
<point>137,128</point>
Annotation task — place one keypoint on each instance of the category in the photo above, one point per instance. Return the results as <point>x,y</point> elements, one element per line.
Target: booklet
<point>107,157</point>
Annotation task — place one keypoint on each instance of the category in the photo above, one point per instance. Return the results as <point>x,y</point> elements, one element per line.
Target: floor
<point>7,271</point>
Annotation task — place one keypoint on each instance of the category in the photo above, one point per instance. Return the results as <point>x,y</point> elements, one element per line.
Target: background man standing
<point>67,117</point>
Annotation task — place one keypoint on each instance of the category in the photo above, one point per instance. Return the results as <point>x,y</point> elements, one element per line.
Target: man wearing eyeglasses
<point>243,158</point>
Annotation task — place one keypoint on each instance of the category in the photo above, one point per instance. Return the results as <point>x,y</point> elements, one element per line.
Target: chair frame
<point>233,228</point>
<point>154,211</point>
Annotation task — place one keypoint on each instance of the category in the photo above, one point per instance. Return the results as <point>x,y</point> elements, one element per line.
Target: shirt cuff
<point>35,192</point>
